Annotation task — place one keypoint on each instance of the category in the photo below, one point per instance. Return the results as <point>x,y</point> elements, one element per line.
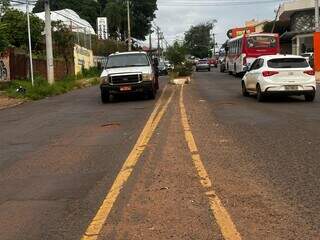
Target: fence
<point>20,66</point>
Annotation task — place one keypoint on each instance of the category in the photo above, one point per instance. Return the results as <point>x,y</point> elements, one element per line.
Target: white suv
<point>128,72</point>
<point>280,74</point>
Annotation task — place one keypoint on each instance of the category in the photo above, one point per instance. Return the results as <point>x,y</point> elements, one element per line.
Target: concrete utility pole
<point>162,48</point>
<point>150,40</point>
<point>30,45</point>
<point>317,16</point>
<point>129,26</point>
<point>50,68</point>
<point>158,34</point>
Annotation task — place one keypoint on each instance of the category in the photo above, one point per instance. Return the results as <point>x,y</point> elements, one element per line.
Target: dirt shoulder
<point>6,102</point>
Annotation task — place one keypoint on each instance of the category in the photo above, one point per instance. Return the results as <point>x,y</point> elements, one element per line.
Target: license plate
<point>291,88</point>
<point>125,88</point>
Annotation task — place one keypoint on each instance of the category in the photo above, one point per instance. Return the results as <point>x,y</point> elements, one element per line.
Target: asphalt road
<point>238,168</point>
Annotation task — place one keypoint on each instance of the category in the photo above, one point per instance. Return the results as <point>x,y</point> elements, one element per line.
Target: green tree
<point>142,14</point>
<point>4,42</point>
<point>63,41</point>
<point>16,25</point>
<point>4,6</point>
<point>106,47</point>
<point>87,9</point>
<point>198,39</point>
<point>176,53</point>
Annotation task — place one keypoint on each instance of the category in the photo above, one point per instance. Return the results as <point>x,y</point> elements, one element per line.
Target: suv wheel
<point>104,96</point>
<point>152,93</point>
<point>309,97</point>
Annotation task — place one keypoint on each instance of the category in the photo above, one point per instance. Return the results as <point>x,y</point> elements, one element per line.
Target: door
<point>250,78</point>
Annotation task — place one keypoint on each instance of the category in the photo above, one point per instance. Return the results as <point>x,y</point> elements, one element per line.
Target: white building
<point>301,14</point>
<point>71,19</point>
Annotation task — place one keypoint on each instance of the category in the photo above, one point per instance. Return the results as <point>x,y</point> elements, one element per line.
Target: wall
<point>5,67</point>
<point>83,58</point>
<point>20,68</point>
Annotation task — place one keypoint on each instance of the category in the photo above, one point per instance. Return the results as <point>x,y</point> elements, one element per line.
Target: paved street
<point>199,162</point>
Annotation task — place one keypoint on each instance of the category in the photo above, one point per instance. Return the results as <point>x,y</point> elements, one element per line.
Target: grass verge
<point>23,89</point>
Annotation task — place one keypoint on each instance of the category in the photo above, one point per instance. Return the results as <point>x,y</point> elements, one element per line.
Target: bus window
<point>261,42</point>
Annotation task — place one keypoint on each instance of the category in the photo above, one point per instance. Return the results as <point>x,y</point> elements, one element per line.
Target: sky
<point>175,17</point>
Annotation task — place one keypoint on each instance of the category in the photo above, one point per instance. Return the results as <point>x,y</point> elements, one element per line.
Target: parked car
<point>203,64</point>
<point>222,63</point>
<point>163,70</point>
<point>128,72</point>
<point>169,66</point>
<point>307,55</point>
<point>213,62</point>
<point>280,74</point>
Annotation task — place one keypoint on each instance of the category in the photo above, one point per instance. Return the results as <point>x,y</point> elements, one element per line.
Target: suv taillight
<point>310,72</point>
<point>269,73</point>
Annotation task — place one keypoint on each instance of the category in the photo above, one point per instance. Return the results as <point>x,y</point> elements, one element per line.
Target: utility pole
<point>150,41</point>
<point>275,19</point>
<point>317,16</point>
<point>162,49</point>
<point>129,26</point>
<point>214,45</point>
<point>30,45</point>
<point>50,68</point>
<point>158,35</point>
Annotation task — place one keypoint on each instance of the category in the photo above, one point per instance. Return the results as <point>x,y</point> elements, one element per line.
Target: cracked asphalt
<point>60,156</point>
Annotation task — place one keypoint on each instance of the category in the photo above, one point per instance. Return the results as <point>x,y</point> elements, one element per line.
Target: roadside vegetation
<point>176,54</point>
<point>23,89</point>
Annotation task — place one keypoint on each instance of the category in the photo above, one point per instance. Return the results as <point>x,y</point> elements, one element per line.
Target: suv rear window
<point>127,60</point>
<point>203,61</point>
<point>288,63</point>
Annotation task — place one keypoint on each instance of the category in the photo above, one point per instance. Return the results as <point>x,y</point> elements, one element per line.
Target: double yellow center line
<point>227,227</point>
<point>221,215</point>
<point>96,225</point>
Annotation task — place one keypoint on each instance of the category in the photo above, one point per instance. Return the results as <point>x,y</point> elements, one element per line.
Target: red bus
<point>243,50</point>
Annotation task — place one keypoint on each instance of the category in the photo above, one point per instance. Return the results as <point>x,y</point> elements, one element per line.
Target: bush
<point>184,70</point>
<point>41,89</point>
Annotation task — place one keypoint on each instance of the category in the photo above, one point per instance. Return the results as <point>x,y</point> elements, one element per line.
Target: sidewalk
<point>318,77</point>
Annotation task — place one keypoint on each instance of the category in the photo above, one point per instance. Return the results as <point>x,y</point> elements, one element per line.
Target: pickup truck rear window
<point>127,60</point>
<point>288,63</point>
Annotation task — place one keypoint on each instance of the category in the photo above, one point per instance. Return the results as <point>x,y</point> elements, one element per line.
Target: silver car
<point>203,64</point>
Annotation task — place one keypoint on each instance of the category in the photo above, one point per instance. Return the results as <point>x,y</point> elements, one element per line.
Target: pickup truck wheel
<point>105,96</point>
<point>152,93</point>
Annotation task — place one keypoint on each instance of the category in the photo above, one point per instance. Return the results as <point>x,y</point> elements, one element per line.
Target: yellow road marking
<point>227,227</point>
<point>95,227</point>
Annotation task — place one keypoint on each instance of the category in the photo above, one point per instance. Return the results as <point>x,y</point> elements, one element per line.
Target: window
<point>126,60</point>
<point>258,63</point>
<point>261,42</point>
<point>261,62</point>
<point>288,63</point>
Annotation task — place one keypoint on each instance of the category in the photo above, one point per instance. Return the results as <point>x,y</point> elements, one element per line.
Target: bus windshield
<point>261,42</point>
